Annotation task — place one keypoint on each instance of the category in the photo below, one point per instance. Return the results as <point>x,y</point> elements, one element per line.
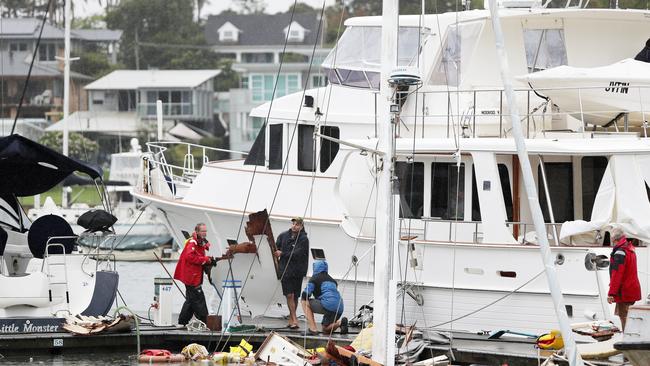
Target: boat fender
<point>551,340</point>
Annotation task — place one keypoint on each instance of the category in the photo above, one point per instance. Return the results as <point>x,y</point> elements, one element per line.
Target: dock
<point>467,348</point>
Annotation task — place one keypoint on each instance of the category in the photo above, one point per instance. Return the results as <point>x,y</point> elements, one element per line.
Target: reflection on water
<point>86,359</point>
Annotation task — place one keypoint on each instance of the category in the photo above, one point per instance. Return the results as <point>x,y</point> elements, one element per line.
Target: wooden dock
<point>466,348</point>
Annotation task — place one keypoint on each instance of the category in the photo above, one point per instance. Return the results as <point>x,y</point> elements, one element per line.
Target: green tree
<point>250,6</point>
<point>228,78</point>
<point>164,29</point>
<point>79,147</point>
<point>302,8</point>
<point>93,63</point>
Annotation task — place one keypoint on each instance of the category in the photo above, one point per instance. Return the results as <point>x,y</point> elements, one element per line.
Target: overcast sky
<point>90,7</point>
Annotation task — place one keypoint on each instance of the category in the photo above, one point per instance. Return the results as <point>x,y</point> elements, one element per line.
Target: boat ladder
<point>54,262</point>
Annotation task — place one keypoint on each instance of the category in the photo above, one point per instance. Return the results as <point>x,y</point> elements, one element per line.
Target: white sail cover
<point>621,201</point>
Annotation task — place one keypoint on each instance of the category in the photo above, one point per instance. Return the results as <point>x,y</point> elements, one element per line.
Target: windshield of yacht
<point>355,61</point>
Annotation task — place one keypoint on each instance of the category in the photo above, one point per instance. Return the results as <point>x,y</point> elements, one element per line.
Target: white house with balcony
<point>124,102</point>
<point>255,43</point>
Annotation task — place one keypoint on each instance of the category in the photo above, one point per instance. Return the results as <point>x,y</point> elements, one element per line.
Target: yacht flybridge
<point>468,253</point>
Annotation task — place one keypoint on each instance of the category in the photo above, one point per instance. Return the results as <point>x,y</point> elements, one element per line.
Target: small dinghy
<point>600,95</point>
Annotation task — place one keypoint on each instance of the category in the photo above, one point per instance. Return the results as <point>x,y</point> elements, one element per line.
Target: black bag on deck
<point>96,220</point>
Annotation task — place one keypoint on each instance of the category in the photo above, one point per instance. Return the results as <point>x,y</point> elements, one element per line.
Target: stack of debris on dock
<point>88,325</point>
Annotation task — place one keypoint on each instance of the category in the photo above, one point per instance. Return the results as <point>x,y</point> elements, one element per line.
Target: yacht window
<point>593,169</point>
<point>560,186</point>
<point>358,53</point>
<point>504,177</point>
<point>545,48</point>
<point>306,148</point>
<point>256,154</point>
<point>411,189</point>
<point>328,149</point>
<point>275,146</point>
<point>447,191</point>
<point>456,53</point>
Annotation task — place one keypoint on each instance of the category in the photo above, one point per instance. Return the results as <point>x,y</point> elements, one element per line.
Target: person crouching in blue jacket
<point>321,296</point>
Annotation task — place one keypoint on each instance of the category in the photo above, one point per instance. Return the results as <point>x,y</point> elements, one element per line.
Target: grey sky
<point>90,7</point>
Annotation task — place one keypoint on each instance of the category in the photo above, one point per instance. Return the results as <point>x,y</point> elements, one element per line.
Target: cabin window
<point>447,191</point>
<point>306,148</point>
<point>456,53</point>
<point>256,153</point>
<point>545,48</point>
<point>275,146</point>
<point>593,169</point>
<point>328,149</point>
<point>504,177</point>
<point>559,177</point>
<point>411,189</point>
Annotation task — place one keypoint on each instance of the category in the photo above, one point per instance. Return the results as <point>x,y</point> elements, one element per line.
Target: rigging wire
<point>31,66</point>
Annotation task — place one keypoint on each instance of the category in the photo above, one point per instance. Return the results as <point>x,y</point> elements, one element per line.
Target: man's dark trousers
<point>194,305</point>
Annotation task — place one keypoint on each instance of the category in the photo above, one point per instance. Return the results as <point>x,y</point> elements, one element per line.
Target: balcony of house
<point>41,96</point>
<point>189,105</point>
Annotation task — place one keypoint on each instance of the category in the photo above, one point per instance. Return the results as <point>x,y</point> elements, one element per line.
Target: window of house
<point>593,169</point>
<point>447,191</point>
<point>328,149</point>
<point>19,46</point>
<point>227,35</point>
<point>506,190</point>
<point>175,102</point>
<point>559,177</point>
<point>257,57</point>
<point>47,52</point>
<point>306,154</point>
<point>261,86</point>
<point>126,100</point>
<point>318,81</point>
<point>411,189</point>
<point>275,146</point>
<point>545,48</point>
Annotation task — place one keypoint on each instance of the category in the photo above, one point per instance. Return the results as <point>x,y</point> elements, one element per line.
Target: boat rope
<point>488,304</point>
<point>286,160</point>
<point>31,66</point>
<point>135,319</point>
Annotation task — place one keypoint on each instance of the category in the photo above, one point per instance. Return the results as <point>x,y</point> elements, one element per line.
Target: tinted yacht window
<point>593,169</point>
<point>306,148</point>
<point>504,177</point>
<point>328,149</point>
<point>447,191</point>
<point>275,146</point>
<point>560,187</point>
<point>411,189</point>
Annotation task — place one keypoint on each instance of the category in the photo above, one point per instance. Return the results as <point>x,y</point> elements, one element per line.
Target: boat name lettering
<point>618,87</point>
<point>8,326</point>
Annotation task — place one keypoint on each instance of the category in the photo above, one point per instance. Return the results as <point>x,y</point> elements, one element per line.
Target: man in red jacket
<point>189,270</point>
<point>624,286</point>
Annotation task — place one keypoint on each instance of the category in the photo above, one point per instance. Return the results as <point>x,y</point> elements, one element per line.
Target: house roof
<point>17,64</point>
<point>29,28</point>
<point>143,79</point>
<point>261,29</point>
<point>108,122</point>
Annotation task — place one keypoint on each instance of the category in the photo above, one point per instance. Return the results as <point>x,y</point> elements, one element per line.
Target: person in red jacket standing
<point>624,286</point>
<point>189,270</point>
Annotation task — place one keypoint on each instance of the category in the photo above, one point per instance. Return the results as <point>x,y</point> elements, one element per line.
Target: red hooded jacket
<point>189,268</point>
<point>624,283</point>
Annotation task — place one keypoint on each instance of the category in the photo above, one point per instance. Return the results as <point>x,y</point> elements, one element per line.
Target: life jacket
<point>624,283</point>
<point>189,268</point>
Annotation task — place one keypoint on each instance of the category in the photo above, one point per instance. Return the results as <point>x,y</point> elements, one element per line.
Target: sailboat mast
<point>66,76</point>
<point>383,342</point>
<point>529,184</point>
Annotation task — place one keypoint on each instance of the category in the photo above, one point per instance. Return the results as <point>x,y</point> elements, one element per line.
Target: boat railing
<point>483,112</point>
<point>182,161</point>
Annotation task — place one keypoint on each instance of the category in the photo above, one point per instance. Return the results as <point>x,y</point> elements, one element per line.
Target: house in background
<point>255,43</point>
<point>123,103</point>
<point>44,94</point>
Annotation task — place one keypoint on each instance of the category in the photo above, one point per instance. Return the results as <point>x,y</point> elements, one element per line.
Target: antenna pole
<point>529,183</point>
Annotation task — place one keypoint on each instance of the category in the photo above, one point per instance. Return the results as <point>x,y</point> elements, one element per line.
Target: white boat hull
<point>464,278</point>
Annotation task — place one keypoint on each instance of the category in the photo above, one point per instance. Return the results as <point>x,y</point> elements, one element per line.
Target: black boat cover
<point>28,168</point>
<point>96,220</point>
